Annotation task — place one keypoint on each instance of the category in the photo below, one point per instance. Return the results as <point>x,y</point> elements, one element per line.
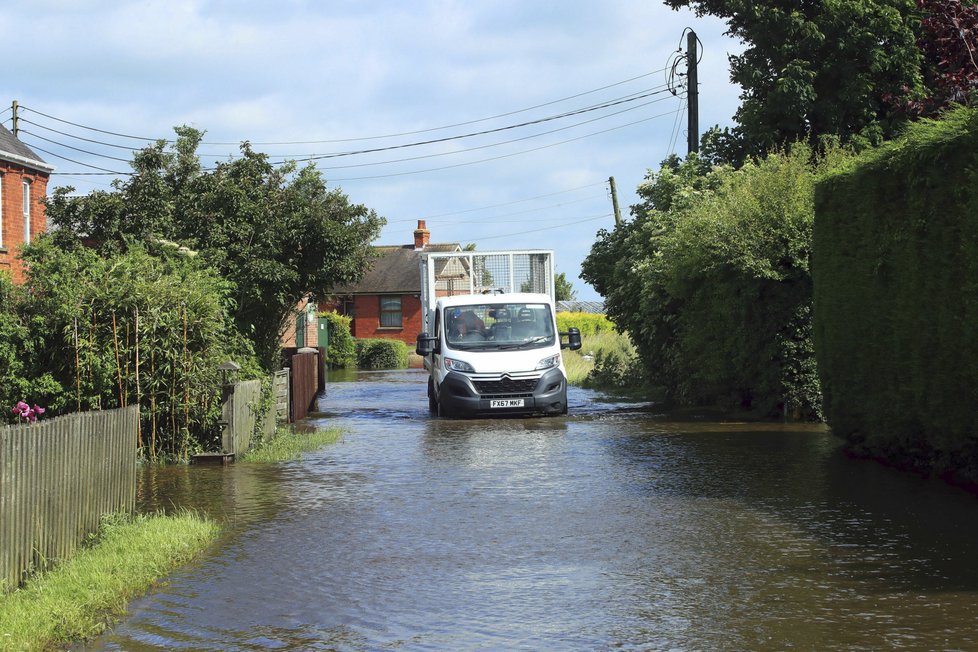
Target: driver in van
<point>467,323</point>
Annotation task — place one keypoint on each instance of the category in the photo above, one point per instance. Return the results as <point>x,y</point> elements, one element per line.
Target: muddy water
<point>613,528</point>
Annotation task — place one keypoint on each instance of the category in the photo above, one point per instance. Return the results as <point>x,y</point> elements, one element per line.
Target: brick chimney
<point>421,236</point>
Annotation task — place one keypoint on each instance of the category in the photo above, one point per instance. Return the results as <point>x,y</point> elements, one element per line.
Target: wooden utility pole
<point>692,95</point>
<point>614,200</point>
<point>16,119</point>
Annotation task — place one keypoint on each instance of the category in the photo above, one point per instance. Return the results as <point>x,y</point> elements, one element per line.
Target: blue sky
<point>301,79</point>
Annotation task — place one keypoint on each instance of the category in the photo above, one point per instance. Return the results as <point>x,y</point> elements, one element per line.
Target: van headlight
<point>457,365</point>
<point>549,362</point>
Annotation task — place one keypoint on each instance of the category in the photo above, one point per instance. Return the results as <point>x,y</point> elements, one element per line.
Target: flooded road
<point>613,528</point>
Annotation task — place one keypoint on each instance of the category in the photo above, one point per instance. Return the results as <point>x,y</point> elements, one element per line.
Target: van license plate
<point>506,403</point>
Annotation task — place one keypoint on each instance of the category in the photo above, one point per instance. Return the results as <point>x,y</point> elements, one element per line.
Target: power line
<point>342,140</point>
<point>485,131</point>
<point>502,156</point>
<point>94,167</point>
<point>77,149</point>
<point>615,102</point>
<point>480,147</point>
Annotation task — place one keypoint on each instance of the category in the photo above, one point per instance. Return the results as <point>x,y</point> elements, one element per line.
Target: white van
<point>493,353</point>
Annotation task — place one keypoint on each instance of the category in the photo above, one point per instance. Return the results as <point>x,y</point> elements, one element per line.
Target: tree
<point>816,68</point>
<point>949,43</point>
<point>564,289</point>
<point>276,234</point>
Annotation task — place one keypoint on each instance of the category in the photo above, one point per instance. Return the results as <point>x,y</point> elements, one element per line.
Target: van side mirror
<point>426,344</point>
<point>573,336</point>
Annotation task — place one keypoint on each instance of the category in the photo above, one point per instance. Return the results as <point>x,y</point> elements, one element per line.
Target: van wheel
<point>432,401</point>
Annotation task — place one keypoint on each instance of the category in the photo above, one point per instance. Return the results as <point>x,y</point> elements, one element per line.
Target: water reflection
<point>614,527</point>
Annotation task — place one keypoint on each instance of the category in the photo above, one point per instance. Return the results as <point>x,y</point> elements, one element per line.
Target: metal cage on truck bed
<point>486,272</point>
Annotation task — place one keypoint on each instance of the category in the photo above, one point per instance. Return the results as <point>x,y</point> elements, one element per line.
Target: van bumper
<point>458,397</point>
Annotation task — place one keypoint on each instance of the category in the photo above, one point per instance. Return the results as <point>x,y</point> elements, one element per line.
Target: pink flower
<point>25,412</point>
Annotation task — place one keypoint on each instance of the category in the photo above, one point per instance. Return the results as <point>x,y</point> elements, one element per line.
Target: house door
<point>323,333</point>
<point>300,330</point>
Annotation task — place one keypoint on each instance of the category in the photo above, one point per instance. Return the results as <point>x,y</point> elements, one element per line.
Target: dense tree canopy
<point>275,233</point>
<point>813,68</point>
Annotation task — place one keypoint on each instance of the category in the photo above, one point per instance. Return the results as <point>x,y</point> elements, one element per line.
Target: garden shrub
<point>381,354</point>
<point>342,352</point>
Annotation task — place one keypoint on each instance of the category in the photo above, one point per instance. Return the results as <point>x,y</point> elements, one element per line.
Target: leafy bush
<point>381,354</point>
<point>342,351</point>
<point>132,328</point>
<point>711,279</point>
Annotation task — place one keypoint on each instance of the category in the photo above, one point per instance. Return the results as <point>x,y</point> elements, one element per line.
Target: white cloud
<point>308,70</point>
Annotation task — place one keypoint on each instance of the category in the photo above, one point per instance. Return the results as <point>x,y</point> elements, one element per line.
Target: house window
<point>390,312</point>
<point>1,211</point>
<point>27,211</point>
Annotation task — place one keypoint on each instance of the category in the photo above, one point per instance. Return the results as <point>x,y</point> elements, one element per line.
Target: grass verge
<point>78,597</point>
<point>288,445</point>
<point>600,345</point>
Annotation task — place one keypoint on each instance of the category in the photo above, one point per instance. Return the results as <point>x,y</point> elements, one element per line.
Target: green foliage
<point>586,322</point>
<point>896,297</point>
<point>342,351</point>
<point>381,354</point>
<point>712,281</point>
<point>607,360</point>
<point>563,289</point>
<point>132,328</point>
<point>288,445</point>
<point>21,379</point>
<point>275,234</point>
<point>815,69</point>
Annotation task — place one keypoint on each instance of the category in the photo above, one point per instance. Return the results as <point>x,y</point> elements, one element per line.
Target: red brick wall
<point>312,329</point>
<point>12,216</point>
<point>366,324</point>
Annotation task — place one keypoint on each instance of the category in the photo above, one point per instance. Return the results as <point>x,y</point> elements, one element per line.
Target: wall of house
<point>367,321</point>
<point>12,213</point>
<point>312,328</point>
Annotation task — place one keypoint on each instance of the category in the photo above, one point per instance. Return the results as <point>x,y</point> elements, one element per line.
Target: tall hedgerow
<point>711,279</point>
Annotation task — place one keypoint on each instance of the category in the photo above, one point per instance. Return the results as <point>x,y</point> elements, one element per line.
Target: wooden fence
<point>57,478</point>
<point>305,383</point>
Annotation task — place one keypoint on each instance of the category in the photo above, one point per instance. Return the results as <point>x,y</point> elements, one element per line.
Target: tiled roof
<point>14,150</point>
<point>396,271</point>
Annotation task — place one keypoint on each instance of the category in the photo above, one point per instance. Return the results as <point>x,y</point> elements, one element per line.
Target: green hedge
<point>895,268</point>
<point>588,323</point>
<point>381,354</point>
<point>342,351</point>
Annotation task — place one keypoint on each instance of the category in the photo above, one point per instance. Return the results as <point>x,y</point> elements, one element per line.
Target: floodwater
<point>613,528</point>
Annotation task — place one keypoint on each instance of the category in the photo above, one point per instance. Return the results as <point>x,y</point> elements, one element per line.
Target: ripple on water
<point>611,528</point>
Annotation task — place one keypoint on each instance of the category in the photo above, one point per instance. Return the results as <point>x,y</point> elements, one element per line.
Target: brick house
<point>304,329</point>
<point>23,187</point>
<point>386,303</point>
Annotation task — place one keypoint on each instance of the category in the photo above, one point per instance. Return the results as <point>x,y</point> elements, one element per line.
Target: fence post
<point>227,418</point>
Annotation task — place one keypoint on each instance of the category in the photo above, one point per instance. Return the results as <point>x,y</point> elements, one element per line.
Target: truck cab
<point>494,353</point>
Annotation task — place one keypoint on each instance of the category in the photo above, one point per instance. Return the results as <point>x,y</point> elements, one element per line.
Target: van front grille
<point>506,386</point>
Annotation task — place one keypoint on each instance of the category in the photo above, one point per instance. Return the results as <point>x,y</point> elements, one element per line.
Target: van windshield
<point>499,326</point>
